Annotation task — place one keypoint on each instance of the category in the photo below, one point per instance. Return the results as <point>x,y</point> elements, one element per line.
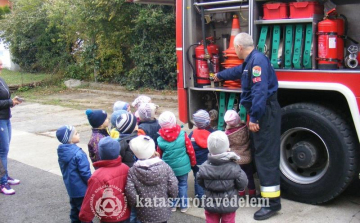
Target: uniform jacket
<point>107,182</point>
<point>149,179</point>
<point>93,144</point>
<point>221,177</point>
<point>258,83</point>
<point>240,143</point>
<point>151,128</point>
<point>198,139</point>
<point>126,154</point>
<point>75,169</point>
<point>176,150</point>
<point>5,102</point>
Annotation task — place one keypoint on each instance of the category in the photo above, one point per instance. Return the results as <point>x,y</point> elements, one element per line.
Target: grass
<point>20,78</point>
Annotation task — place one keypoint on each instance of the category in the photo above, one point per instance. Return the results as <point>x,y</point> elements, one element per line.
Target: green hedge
<point>102,40</point>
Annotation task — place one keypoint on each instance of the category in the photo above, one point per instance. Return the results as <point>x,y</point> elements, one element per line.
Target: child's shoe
<point>252,193</point>
<point>183,210</point>
<point>6,189</point>
<point>13,181</point>
<point>173,209</point>
<point>242,193</point>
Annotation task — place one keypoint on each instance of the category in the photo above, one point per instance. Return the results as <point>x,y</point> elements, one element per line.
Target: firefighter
<point>259,96</point>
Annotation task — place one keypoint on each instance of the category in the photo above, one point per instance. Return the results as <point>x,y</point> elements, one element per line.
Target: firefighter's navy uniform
<point>259,96</point>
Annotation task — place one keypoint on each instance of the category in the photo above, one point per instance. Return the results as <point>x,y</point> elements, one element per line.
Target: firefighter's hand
<point>254,127</point>
<point>216,79</point>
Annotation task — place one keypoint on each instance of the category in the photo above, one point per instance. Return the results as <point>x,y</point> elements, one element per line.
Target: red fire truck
<point>309,45</point>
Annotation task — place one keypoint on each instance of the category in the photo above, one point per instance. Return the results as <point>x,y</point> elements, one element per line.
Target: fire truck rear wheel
<point>318,153</point>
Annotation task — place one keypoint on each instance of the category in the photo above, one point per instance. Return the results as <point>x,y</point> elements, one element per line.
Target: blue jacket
<point>199,142</point>
<point>258,83</point>
<point>75,169</point>
<point>151,128</point>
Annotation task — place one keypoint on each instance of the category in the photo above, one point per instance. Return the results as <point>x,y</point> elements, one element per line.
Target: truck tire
<point>318,153</point>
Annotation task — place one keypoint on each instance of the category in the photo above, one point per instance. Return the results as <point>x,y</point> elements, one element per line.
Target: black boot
<point>267,212</point>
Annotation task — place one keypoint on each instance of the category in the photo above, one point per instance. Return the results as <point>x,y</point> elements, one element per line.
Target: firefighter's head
<point>243,44</point>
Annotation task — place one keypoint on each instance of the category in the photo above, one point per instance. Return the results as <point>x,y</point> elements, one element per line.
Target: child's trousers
<point>217,218</point>
<point>75,204</point>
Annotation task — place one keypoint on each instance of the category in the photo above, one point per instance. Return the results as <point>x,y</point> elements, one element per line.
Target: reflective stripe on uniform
<point>270,192</point>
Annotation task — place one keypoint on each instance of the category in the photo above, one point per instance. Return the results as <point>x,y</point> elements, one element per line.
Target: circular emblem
<point>108,202</point>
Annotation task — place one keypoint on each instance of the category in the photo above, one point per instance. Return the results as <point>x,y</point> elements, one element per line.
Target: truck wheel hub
<point>303,154</point>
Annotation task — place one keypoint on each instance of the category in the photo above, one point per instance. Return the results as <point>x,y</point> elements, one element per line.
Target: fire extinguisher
<point>202,69</point>
<point>331,43</point>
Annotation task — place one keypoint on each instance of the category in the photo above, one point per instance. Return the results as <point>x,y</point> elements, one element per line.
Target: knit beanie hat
<point>213,114</point>
<point>109,148</point>
<point>142,146</point>
<point>126,123</point>
<point>232,118</point>
<point>218,142</point>
<point>65,133</point>
<point>140,99</point>
<point>120,105</point>
<point>115,115</point>
<point>167,120</point>
<point>146,111</point>
<point>201,119</point>
<point>96,117</point>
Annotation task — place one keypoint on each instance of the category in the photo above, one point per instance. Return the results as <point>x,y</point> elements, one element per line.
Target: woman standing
<point>5,134</point>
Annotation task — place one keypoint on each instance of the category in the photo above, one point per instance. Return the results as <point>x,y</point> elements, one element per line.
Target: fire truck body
<point>320,108</point>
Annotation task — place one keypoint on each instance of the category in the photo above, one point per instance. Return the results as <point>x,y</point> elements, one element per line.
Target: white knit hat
<point>167,120</point>
<point>232,118</point>
<point>201,119</point>
<point>142,146</point>
<point>146,111</point>
<point>218,142</point>
<point>140,99</point>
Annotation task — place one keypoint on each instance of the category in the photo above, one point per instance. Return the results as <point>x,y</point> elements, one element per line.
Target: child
<point>121,106</point>
<point>176,150</point>
<point>126,125</point>
<point>221,177</point>
<point>99,123</point>
<point>238,134</point>
<point>198,139</point>
<point>75,168</point>
<point>150,177</point>
<point>114,133</point>
<point>137,102</point>
<point>140,99</point>
<point>148,124</point>
<point>105,195</point>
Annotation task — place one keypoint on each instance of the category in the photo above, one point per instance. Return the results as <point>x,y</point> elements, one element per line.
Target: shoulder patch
<point>256,71</point>
<point>256,79</point>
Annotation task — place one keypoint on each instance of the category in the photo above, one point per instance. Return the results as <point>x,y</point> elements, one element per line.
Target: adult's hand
<point>16,101</point>
<point>216,79</point>
<point>254,127</point>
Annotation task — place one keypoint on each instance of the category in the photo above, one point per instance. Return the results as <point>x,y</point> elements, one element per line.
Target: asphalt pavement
<point>41,196</point>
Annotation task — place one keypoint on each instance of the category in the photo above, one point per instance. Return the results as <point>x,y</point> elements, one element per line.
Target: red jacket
<point>105,194</point>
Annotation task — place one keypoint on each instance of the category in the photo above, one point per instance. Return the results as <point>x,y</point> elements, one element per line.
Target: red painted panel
<point>183,105</point>
<point>351,80</point>
<point>179,41</point>
<point>182,93</point>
